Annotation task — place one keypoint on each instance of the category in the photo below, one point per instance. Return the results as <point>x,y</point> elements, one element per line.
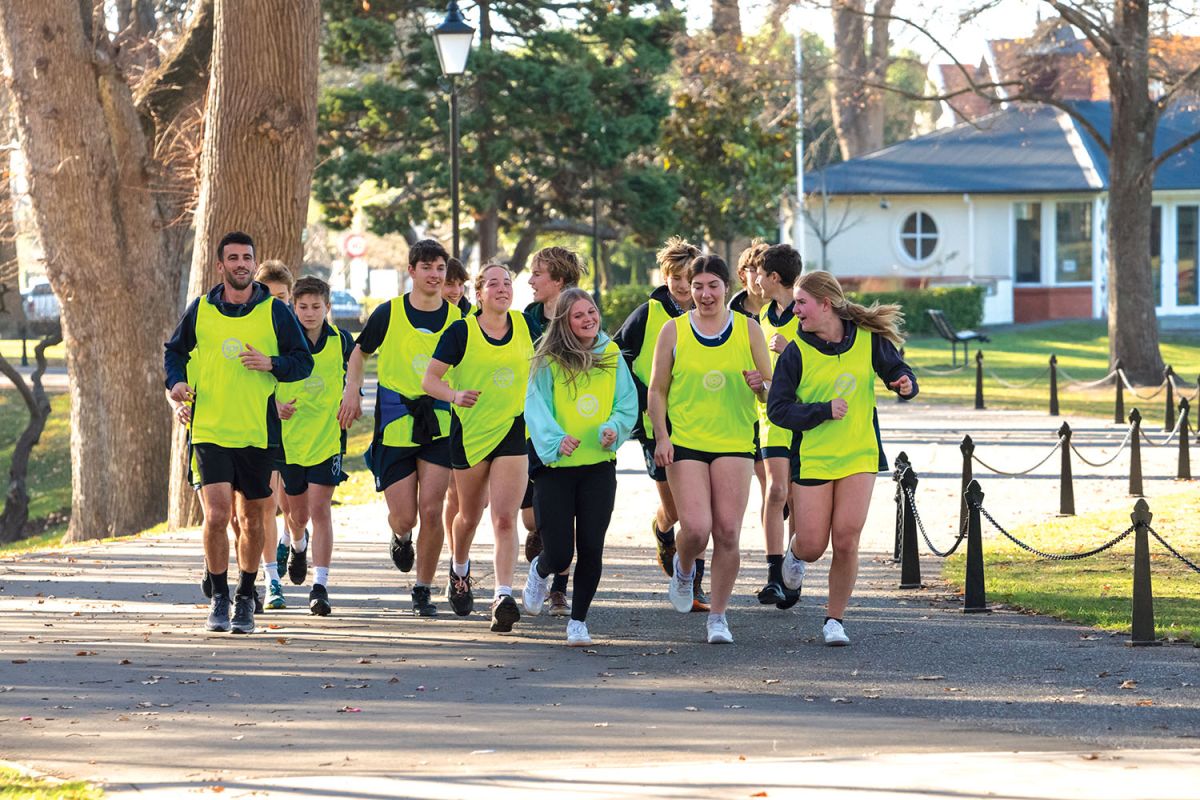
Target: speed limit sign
<point>355,245</point>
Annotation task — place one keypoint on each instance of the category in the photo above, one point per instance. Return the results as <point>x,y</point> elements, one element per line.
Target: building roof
<point>1017,150</point>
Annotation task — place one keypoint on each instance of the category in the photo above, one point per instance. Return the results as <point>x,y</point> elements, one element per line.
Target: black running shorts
<point>246,469</point>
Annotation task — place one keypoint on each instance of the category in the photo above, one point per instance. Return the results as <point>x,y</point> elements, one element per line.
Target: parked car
<point>40,304</point>
<point>346,311</point>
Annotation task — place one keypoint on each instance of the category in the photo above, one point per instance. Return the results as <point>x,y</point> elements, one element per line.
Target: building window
<point>1027,249</point>
<point>1156,253</point>
<point>919,236</point>
<point>1187,243</point>
<point>1073,253</point>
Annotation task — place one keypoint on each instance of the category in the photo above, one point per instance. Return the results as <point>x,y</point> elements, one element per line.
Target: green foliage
<point>618,302</point>
<point>14,784</point>
<point>962,305</point>
<point>49,476</point>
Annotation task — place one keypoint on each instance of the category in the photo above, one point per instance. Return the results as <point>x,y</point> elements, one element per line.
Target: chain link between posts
<point>1075,383</point>
<point>1129,387</point>
<point>1055,556</point>
<point>1191,565</point>
<point>990,468</point>
<point>1170,438</point>
<point>1022,384</point>
<point>962,533</point>
<point>1120,449</point>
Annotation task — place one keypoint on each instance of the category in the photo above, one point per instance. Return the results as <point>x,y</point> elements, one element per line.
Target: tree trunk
<point>726,19</point>
<point>92,202</point>
<point>1132,322</point>
<point>258,153</point>
<point>524,249</point>
<point>858,109</point>
<point>12,313</point>
<point>16,499</point>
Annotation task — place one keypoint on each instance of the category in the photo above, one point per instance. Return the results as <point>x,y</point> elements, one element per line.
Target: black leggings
<point>574,506</point>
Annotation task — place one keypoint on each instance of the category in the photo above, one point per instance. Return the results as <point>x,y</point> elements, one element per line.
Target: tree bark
<point>858,109</point>
<point>726,19</point>
<point>257,158</point>
<point>91,199</point>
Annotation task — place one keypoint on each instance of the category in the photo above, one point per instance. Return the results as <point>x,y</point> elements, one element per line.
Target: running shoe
<point>718,631</point>
<point>699,598</point>
<point>318,601</point>
<point>206,583</point>
<point>559,607</point>
<point>793,569</point>
<point>403,554</point>
<point>771,594</point>
<point>243,614</point>
<point>421,604</point>
<point>504,613</point>
<point>790,598</point>
<point>536,587</point>
<point>258,601</point>
<point>462,600</point>
<point>679,590</point>
<point>533,544</point>
<point>665,545</point>
<point>275,599</point>
<point>577,634</point>
<point>281,549</point>
<point>218,614</point>
<point>297,562</point>
<point>835,634</point>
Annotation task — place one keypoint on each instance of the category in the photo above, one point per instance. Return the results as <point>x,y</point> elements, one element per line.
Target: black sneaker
<point>297,566</point>
<point>258,601</point>
<point>243,614</point>
<point>504,613</point>
<point>771,594</point>
<point>281,550</point>
<point>403,554</point>
<point>790,598</point>
<point>218,614</point>
<point>462,600</point>
<point>700,602</point>
<point>420,602</point>
<point>206,584</point>
<point>664,543</point>
<point>318,601</point>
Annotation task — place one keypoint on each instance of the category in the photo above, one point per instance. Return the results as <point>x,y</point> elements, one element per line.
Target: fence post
<point>1119,407</point>
<point>975,597</point>
<point>978,380</point>
<point>910,563</point>
<point>1053,385</point>
<point>1184,472</point>
<point>1066,489</point>
<point>24,349</point>
<point>1169,413</point>
<point>1135,455</point>
<point>968,450</point>
<point>901,465</point>
<point>1143,594</point>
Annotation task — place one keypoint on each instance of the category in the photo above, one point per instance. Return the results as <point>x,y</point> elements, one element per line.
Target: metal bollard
<point>901,465</point>
<point>975,597</point>
<point>1119,407</point>
<point>1143,593</point>
<point>1066,489</point>
<point>1135,455</point>
<point>968,449</point>
<point>978,380</point>
<point>1184,472</point>
<point>910,563</point>
<point>1169,413</point>
<point>1054,385</point>
<point>24,349</point>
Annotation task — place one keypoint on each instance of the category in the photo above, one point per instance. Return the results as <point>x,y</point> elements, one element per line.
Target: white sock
<point>284,537</point>
<point>687,576</point>
<point>321,575</point>
<point>272,571</point>
<point>462,569</point>
<point>715,617</point>
<point>300,548</point>
<point>501,591</point>
<point>404,537</point>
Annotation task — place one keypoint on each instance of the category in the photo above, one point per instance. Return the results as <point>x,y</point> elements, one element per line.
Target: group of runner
<point>520,414</point>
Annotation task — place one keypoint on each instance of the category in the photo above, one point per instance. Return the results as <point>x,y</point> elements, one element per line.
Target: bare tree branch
<point>1189,81</point>
<point>1096,31</point>
<point>1178,147</point>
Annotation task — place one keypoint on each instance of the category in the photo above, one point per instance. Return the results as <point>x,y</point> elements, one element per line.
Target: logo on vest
<point>714,380</point>
<point>845,385</point>
<point>314,385</point>
<point>503,377</point>
<point>231,347</point>
<point>420,362</point>
<point>587,405</point>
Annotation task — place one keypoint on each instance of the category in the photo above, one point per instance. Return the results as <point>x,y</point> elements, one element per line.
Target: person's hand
<point>253,359</point>
<point>350,409</point>
<point>901,386</point>
<point>664,453</point>
<point>754,380</point>
<point>778,343</point>
<point>286,410</point>
<point>567,445</point>
<point>608,438</point>
<point>466,398</point>
<point>182,393</point>
<point>182,412</point>
<point>838,406</point>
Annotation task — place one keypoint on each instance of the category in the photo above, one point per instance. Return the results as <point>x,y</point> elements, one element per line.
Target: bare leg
<point>851,500</point>
<point>732,475</point>
<point>690,483</point>
<point>775,492</point>
<point>253,516</point>
<point>472,500</point>
<point>665,516</point>
<point>217,501</point>
<point>507,483</point>
<point>812,528</point>
<point>319,500</point>
<point>432,483</point>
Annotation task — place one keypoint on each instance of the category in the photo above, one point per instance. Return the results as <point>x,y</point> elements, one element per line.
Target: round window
<point>919,236</point>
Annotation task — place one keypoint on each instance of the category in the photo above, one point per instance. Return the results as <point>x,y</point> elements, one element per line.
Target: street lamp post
<point>453,41</point>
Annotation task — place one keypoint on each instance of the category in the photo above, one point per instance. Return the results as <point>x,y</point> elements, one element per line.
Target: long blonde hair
<point>562,347</point>
<point>882,319</point>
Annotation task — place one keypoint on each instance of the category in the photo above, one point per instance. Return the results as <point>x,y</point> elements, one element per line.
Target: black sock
<point>835,619</point>
<point>667,537</point>
<point>220,583</point>
<point>245,587</point>
<point>559,584</point>
<point>775,569</point>
<point>699,568</point>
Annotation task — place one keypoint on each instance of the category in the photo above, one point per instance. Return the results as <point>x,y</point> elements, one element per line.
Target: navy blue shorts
<point>296,479</point>
<point>397,463</point>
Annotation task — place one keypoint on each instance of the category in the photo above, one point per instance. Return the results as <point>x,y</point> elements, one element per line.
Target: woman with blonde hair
<point>824,392</point>
<point>580,407</point>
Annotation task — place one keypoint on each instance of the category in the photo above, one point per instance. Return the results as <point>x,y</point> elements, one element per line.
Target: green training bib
<point>846,446</point>
<point>656,317</point>
<point>500,374</point>
<point>403,356</point>
<point>712,409</point>
<point>770,435</point>
<point>313,433</point>
<point>580,409</point>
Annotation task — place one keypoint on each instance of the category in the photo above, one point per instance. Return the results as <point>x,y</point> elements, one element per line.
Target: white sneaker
<point>679,590</point>
<point>536,589</point>
<point>577,634</point>
<point>835,634</point>
<point>793,569</point>
<point>718,631</point>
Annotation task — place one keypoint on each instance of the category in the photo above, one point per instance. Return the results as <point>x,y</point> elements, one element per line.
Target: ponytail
<point>884,320</point>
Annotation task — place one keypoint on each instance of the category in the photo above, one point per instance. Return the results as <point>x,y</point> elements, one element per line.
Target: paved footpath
<point>106,674</point>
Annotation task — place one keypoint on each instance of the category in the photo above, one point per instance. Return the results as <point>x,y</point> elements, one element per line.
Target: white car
<point>40,304</point>
<point>345,310</point>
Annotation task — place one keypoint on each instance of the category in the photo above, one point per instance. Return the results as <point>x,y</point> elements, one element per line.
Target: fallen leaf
<point>20,661</point>
<point>86,653</point>
<point>349,710</point>
<point>759,794</point>
<point>364,661</point>
<point>1144,702</point>
<point>1129,684</point>
<point>282,640</point>
<point>124,662</point>
<point>393,679</point>
<point>769,681</point>
<point>931,677</point>
<point>839,700</point>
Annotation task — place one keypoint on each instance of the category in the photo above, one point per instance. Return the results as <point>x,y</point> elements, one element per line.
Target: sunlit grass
<point>15,785</point>
<point>11,349</point>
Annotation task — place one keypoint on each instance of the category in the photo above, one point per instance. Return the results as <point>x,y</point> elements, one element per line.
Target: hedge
<point>962,305</point>
<point>618,302</point>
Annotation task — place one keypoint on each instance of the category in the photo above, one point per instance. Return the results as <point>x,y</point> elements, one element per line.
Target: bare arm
<point>434,384</point>
<point>759,380</point>
<point>351,408</point>
<point>656,396</point>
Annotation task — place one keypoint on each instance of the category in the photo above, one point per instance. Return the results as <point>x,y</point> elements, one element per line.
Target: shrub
<point>962,305</point>
<point>618,302</point>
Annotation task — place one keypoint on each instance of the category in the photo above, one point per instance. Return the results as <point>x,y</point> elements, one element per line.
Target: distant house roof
<point>1018,150</point>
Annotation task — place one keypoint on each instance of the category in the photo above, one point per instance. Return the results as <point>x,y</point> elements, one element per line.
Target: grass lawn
<point>1019,355</point>
<point>1097,591</point>
<point>50,463</point>
<point>11,349</point>
<point>15,785</point>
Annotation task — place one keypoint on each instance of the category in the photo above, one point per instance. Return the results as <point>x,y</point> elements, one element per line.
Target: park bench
<point>947,332</point>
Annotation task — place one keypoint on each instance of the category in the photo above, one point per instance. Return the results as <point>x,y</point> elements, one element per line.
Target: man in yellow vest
<point>225,357</point>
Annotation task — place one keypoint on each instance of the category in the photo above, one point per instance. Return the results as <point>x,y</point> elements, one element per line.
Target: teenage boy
<point>410,452</point>
<point>313,440</point>
<point>225,357</point>
<point>455,290</point>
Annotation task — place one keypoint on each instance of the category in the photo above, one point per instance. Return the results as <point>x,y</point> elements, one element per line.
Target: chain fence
<point>990,468</point>
<point>1170,438</point>
<point>1120,449</point>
